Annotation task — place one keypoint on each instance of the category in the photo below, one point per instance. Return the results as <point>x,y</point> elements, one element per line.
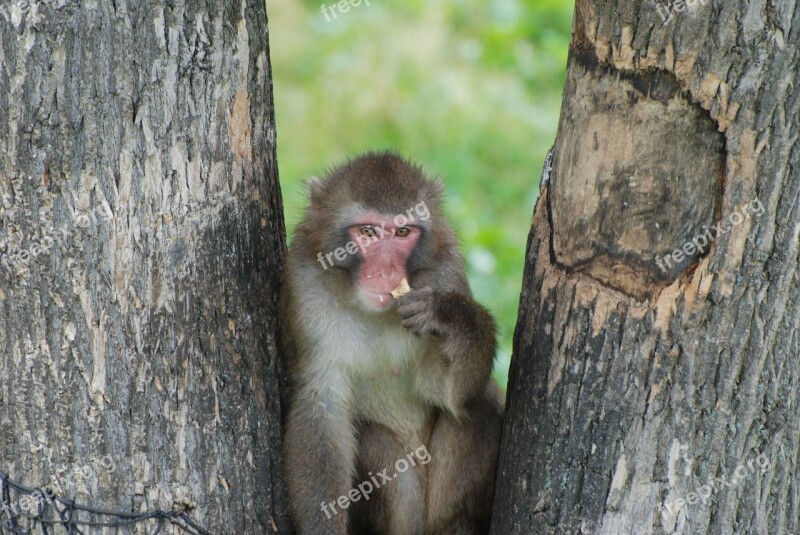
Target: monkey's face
<point>384,248</point>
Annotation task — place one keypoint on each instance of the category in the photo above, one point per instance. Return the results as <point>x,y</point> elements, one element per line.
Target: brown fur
<point>368,389</point>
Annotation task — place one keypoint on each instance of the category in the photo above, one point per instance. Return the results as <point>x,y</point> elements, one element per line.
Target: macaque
<point>394,422</point>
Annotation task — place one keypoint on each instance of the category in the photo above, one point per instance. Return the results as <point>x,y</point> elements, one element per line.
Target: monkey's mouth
<point>377,299</point>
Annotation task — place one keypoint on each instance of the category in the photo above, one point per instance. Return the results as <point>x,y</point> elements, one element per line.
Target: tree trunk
<point>141,244</point>
<point>655,381</point>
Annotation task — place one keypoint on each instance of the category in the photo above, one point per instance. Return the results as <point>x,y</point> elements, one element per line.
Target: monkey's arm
<point>464,332</point>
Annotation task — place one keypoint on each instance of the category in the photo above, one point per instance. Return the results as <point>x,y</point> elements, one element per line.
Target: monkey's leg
<point>319,454</point>
<point>391,485</point>
<point>462,469</point>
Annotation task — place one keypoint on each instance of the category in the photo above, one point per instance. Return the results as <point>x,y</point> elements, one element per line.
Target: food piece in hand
<point>402,289</point>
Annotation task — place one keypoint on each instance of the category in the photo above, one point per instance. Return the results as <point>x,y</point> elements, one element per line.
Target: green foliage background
<point>470,89</point>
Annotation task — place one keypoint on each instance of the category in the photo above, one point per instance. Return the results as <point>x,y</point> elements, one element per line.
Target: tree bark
<point>655,381</point>
<point>141,244</point>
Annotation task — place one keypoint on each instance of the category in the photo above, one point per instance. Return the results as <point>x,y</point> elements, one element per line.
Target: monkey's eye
<point>402,232</point>
<point>367,231</point>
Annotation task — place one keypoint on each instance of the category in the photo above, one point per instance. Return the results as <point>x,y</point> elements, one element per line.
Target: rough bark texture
<point>141,243</point>
<point>649,400</point>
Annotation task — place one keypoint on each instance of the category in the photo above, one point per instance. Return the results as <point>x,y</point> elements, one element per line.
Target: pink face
<point>384,248</point>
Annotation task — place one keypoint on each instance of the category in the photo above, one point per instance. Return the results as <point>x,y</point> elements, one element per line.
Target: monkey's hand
<point>465,333</point>
<point>418,310</point>
<point>456,320</point>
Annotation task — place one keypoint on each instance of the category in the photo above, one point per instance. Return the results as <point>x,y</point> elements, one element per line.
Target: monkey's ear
<point>314,186</point>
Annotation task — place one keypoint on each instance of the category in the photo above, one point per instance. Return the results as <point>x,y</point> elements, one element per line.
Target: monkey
<point>394,422</point>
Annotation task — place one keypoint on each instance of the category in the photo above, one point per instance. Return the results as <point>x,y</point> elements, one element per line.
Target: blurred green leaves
<point>469,89</point>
